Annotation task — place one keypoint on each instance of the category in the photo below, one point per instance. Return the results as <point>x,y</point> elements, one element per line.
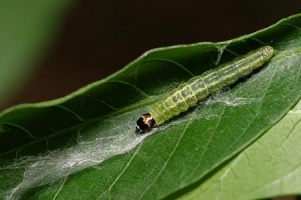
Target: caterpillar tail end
<point>268,51</point>
<point>146,121</point>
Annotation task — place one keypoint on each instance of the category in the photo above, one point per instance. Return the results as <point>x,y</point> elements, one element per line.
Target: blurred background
<point>70,44</point>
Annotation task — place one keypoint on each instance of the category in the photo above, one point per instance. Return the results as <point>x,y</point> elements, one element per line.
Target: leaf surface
<point>269,167</point>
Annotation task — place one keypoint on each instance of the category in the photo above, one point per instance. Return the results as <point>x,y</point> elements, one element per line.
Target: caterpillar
<point>199,87</point>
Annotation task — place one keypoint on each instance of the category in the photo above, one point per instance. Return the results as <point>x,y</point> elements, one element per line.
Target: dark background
<point>97,38</point>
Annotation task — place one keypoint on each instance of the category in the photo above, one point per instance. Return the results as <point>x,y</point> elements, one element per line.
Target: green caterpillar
<point>199,87</point>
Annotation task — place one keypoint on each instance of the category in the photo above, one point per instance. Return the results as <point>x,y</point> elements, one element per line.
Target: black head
<point>146,121</point>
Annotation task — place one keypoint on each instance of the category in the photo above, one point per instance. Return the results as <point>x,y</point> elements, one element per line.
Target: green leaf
<point>26,30</point>
<point>269,167</point>
<point>85,146</point>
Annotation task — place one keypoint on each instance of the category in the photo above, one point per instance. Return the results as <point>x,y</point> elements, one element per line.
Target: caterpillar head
<point>146,121</point>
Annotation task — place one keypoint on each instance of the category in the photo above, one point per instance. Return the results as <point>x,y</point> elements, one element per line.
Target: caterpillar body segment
<point>199,87</point>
